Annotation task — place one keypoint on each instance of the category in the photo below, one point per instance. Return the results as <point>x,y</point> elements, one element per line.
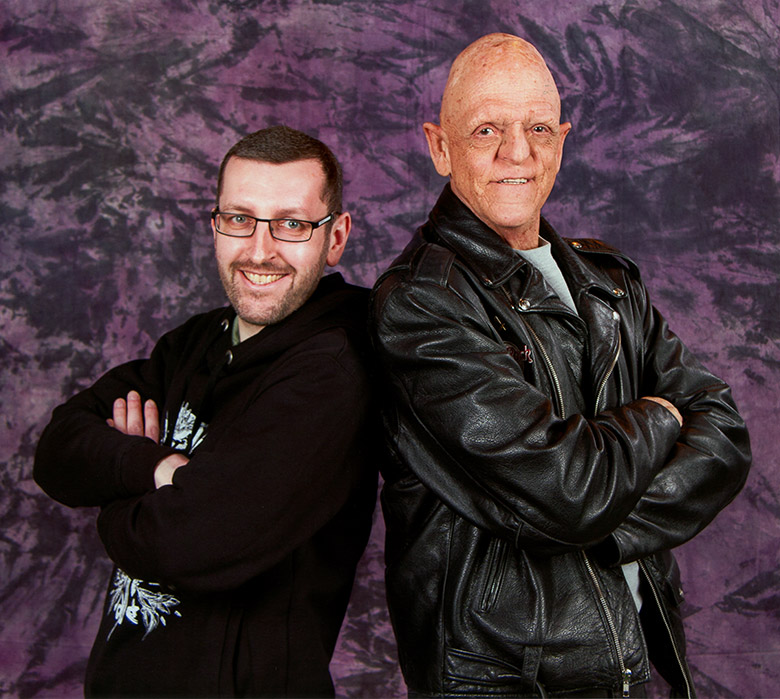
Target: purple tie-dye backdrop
<point>115,114</point>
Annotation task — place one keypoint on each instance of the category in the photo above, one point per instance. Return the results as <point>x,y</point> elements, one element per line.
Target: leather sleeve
<point>708,464</point>
<point>487,443</point>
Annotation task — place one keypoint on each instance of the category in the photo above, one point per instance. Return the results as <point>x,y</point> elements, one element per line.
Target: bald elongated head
<point>500,139</point>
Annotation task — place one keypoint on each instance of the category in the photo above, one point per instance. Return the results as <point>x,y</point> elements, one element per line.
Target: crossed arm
<point>488,444</point>
<point>134,417</point>
<point>252,491</point>
<point>667,405</point>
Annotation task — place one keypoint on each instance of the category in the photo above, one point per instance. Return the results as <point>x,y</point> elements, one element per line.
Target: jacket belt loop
<point>532,655</point>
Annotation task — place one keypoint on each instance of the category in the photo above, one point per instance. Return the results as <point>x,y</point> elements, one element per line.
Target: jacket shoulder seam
<point>432,263</point>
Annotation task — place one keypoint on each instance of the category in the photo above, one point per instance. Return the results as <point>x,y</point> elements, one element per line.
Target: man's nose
<point>514,145</point>
<point>261,245</point>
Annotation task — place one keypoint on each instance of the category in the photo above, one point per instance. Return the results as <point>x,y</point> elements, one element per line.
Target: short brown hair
<point>281,144</point>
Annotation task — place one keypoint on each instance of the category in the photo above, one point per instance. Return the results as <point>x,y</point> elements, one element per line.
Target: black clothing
<point>235,579</point>
<point>527,466</point>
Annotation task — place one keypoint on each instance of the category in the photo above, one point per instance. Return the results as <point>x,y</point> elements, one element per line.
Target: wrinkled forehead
<point>508,68</point>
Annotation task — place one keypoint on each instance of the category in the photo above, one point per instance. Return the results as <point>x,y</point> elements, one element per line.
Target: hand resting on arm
<point>667,405</point>
<point>133,417</point>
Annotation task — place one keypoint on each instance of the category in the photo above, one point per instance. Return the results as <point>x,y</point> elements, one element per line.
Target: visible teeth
<point>262,278</point>
<point>521,180</point>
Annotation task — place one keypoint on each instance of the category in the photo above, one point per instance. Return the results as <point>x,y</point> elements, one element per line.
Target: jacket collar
<point>482,248</point>
<point>453,224</point>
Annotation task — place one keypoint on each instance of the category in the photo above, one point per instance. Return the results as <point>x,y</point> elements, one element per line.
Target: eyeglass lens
<point>242,225</point>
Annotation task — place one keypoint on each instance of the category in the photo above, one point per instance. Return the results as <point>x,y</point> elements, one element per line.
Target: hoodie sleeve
<point>80,460</point>
<point>261,483</point>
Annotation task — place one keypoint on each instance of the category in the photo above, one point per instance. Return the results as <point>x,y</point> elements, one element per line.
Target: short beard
<point>305,285</point>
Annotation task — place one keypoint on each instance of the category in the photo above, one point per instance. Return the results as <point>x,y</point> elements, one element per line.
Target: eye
<point>237,220</point>
<point>290,224</point>
<point>540,128</point>
<point>485,131</point>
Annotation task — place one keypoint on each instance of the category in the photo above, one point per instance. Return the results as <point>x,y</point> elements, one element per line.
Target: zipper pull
<point>626,682</point>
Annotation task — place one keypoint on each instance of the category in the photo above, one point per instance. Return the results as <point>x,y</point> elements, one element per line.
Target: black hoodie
<point>234,580</point>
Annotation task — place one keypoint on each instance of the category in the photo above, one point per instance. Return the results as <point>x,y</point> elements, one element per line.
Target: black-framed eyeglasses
<point>290,230</point>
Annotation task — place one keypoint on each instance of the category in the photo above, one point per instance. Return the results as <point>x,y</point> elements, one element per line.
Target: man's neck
<point>522,240</point>
<point>521,237</point>
<point>247,330</point>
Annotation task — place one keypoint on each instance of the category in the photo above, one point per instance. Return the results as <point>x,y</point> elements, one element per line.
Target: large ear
<point>438,147</point>
<point>565,128</point>
<point>214,228</point>
<point>339,233</point>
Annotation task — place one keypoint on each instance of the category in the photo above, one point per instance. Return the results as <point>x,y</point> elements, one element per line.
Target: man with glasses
<point>234,468</point>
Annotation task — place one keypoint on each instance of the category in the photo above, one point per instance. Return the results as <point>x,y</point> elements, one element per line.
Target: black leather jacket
<point>528,467</point>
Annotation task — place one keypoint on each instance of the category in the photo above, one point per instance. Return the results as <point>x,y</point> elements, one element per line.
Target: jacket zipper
<point>625,673</point>
<point>603,384</point>
<point>662,610</point>
<point>545,356</point>
<point>553,374</point>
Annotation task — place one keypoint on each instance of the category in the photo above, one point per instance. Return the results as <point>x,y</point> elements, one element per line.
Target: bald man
<point>553,439</point>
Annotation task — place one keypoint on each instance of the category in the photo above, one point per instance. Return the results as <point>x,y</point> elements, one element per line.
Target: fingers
<point>152,421</point>
<point>135,414</point>
<point>120,415</point>
<point>163,472</point>
<point>668,406</point>
<point>132,417</point>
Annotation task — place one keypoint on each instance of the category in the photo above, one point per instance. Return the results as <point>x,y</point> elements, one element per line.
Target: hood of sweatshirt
<point>333,304</point>
<point>211,357</point>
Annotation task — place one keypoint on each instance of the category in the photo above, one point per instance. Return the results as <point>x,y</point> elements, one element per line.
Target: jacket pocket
<point>495,565</point>
<point>470,673</point>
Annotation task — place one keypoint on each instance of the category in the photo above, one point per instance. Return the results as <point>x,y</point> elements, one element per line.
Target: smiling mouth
<point>262,279</point>
<point>518,180</point>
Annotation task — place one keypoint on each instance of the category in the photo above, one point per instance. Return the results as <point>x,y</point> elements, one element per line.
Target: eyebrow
<point>504,115</point>
<point>284,213</point>
<point>536,117</point>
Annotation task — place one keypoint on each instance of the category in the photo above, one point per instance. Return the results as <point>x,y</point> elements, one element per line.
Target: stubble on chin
<point>261,311</point>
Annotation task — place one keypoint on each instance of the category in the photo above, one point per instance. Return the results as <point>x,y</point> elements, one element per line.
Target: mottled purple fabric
<point>115,114</point>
